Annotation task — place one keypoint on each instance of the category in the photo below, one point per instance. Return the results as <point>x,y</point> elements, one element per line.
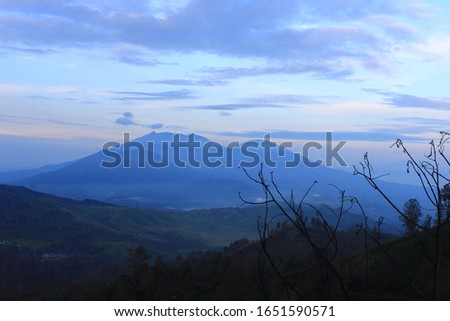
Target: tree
<point>139,258</point>
<point>432,173</point>
<point>410,220</point>
<point>446,200</point>
<point>326,254</point>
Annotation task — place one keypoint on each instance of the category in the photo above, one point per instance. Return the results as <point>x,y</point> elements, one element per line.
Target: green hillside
<point>47,242</point>
<point>41,221</point>
<point>56,248</point>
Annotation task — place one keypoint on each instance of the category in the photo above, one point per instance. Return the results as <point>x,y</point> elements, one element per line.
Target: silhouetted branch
<point>294,214</point>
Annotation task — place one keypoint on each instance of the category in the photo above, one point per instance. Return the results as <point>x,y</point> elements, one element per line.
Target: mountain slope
<point>12,176</point>
<point>56,224</point>
<point>202,187</point>
<point>50,244</point>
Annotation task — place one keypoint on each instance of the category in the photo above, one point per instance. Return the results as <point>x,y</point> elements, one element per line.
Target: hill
<point>89,226</point>
<point>49,242</point>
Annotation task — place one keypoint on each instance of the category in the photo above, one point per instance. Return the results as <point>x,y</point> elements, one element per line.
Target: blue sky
<point>75,74</point>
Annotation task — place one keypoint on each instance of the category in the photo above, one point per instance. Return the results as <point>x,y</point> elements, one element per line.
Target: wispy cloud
<point>396,29</point>
<point>136,60</point>
<point>71,123</point>
<point>265,101</point>
<point>26,50</point>
<point>233,106</point>
<point>291,99</point>
<point>422,120</point>
<point>187,82</point>
<point>415,125</point>
<point>318,69</point>
<point>402,100</point>
<point>372,136</point>
<point>17,119</point>
<point>156,126</point>
<point>412,101</point>
<point>39,97</point>
<point>164,95</point>
<point>32,120</point>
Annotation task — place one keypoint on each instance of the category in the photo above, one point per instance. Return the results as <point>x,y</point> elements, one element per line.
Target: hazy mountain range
<point>197,187</point>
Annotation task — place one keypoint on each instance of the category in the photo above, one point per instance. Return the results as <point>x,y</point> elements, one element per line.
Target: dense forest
<point>59,249</point>
<point>396,270</point>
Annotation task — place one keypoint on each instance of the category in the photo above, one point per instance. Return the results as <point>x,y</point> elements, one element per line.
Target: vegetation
<point>396,271</point>
<point>411,220</point>
<point>43,266</point>
<point>432,173</point>
<point>53,248</point>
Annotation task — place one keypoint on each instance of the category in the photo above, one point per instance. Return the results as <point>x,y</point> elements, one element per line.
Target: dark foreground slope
<point>396,270</point>
<point>61,249</point>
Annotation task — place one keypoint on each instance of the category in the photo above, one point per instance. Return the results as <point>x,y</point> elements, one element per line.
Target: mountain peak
<point>168,137</point>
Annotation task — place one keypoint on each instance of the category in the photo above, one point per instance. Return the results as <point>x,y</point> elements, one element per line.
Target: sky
<point>75,74</point>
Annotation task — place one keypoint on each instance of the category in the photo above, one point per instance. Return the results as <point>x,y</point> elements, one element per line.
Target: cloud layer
<point>329,39</point>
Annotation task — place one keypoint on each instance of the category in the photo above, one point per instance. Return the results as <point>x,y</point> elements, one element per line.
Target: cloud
<point>33,51</point>
<point>187,82</point>
<point>69,123</point>
<point>422,120</point>
<point>406,100</point>
<point>18,119</point>
<point>164,95</point>
<point>291,99</point>
<point>372,136</point>
<point>416,125</point>
<point>401,100</point>
<point>138,61</point>
<point>321,70</point>
<point>395,29</point>
<point>126,119</point>
<point>156,126</point>
<point>266,101</point>
<point>318,36</point>
<point>233,106</point>
<point>32,120</point>
<point>437,46</point>
<point>39,97</point>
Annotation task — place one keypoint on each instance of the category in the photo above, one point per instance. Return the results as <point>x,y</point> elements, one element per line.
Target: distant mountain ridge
<point>12,176</point>
<point>191,187</point>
